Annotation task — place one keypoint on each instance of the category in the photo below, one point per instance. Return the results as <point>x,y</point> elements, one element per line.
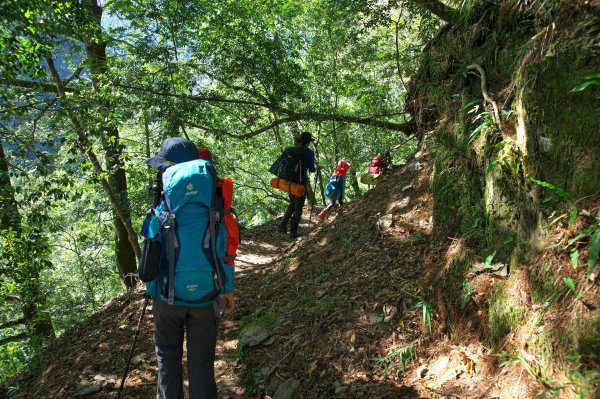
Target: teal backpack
<point>189,226</point>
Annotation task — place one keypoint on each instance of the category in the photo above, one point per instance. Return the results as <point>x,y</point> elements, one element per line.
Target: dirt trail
<point>91,356</point>
<point>342,306</point>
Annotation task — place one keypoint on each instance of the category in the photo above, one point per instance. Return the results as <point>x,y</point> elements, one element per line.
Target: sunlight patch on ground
<point>254,259</point>
<point>262,245</point>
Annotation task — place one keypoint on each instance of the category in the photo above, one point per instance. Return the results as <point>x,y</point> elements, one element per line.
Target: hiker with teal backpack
<point>188,266</point>
<point>304,162</point>
<point>336,187</point>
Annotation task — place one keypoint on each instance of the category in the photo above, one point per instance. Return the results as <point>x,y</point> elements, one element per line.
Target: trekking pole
<point>314,199</point>
<point>137,332</point>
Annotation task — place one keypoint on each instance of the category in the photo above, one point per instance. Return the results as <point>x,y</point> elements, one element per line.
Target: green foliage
<point>588,81</point>
<point>581,380</point>
<point>426,309</point>
<point>569,286</point>
<point>591,232</point>
<point>14,356</point>
<point>549,302</point>
<point>84,276</point>
<point>485,122</point>
<point>545,10</point>
<point>466,293</point>
<point>267,320</point>
<point>511,358</point>
<point>23,256</point>
<point>554,189</point>
<point>403,354</point>
<point>594,250</point>
<point>427,312</point>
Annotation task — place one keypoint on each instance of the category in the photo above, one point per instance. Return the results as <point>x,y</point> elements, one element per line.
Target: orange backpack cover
<point>233,235</point>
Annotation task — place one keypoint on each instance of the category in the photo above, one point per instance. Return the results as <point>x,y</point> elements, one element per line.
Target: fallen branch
<point>289,352</point>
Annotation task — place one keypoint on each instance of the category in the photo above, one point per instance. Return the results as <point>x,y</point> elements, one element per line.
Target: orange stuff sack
<point>297,190</point>
<point>233,234</point>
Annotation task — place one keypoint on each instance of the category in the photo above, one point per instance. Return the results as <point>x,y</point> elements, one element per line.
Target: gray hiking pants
<point>201,324</point>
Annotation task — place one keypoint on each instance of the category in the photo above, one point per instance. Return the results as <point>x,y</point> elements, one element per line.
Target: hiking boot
<point>282,228</point>
<point>295,234</point>
<point>323,214</point>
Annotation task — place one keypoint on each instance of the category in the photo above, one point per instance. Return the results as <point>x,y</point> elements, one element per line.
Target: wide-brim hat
<point>173,151</point>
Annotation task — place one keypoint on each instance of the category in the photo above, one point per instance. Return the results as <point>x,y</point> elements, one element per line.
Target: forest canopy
<point>90,90</point>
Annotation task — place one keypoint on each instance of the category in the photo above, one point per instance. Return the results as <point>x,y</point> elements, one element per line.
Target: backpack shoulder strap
<point>168,226</point>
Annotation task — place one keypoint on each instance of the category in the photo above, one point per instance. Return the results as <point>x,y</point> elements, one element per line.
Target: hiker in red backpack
<point>174,317</point>
<point>336,187</point>
<point>379,163</point>
<point>307,163</point>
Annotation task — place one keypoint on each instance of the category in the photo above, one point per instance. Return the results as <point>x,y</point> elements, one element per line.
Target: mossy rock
<point>506,310</point>
<point>562,125</point>
<point>541,346</point>
<point>541,282</point>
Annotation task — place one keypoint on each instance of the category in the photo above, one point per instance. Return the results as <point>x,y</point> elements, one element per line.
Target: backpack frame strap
<point>172,246</point>
<point>215,218</point>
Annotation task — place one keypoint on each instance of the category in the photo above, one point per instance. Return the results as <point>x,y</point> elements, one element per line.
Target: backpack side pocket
<point>150,259</point>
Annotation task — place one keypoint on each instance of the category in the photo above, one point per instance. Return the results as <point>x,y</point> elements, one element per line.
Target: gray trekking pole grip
<point>137,333</point>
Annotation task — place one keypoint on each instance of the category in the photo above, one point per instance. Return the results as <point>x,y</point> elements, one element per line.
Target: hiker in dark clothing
<point>294,209</point>
<point>198,321</point>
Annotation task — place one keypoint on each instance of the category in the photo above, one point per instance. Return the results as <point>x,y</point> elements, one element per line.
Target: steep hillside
<point>469,272</point>
<point>515,183</point>
<point>338,313</point>
<point>329,301</point>
<point>343,295</point>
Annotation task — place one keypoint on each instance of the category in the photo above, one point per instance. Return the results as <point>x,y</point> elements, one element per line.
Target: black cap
<point>173,151</point>
<point>304,138</point>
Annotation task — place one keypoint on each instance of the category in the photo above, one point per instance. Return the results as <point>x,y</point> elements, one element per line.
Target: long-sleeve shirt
<point>341,168</point>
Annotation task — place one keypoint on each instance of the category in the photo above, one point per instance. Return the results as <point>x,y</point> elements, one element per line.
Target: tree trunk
<point>439,9</point>
<point>25,273</point>
<point>39,324</point>
<point>124,252</point>
<point>9,212</point>
<point>117,179</point>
